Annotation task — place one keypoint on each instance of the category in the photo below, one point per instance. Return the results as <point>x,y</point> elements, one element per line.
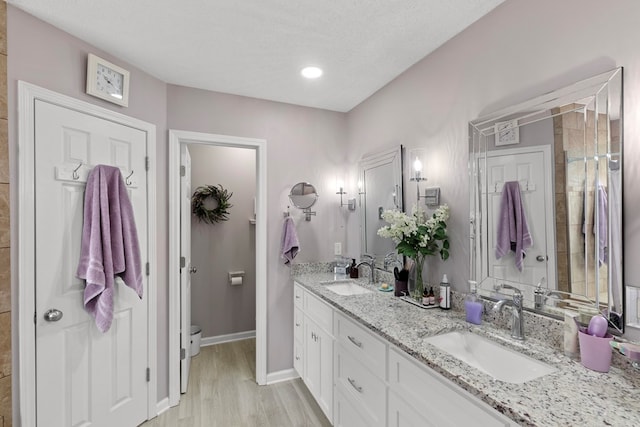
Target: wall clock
<point>107,81</point>
<point>507,133</point>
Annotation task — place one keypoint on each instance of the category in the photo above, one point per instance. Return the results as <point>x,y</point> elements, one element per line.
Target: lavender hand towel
<point>603,221</point>
<point>290,245</point>
<point>109,243</point>
<point>513,231</point>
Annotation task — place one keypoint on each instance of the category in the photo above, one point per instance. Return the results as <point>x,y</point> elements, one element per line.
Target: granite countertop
<point>571,396</point>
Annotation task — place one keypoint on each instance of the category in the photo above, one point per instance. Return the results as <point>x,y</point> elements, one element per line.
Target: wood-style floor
<point>223,392</point>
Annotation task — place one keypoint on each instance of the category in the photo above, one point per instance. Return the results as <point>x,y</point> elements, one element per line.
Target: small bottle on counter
<point>425,297</point>
<point>353,273</point>
<point>473,305</point>
<point>445,293</point>
<point>432,297</point>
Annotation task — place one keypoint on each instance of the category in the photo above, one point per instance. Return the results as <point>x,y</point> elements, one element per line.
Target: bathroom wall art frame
<point>583,125</point>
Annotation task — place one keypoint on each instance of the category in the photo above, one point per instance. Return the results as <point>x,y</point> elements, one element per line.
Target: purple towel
<point>109,243</point>
<point>601,206</point>
<point>290,245</point>
<point>513,231</point>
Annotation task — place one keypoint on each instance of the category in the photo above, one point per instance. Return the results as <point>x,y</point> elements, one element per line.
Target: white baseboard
<point>284,375</point>
<point>162,406</point>
<point>227,338</point>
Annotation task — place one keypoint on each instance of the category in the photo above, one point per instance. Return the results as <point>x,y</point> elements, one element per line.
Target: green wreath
<point>220,195</point>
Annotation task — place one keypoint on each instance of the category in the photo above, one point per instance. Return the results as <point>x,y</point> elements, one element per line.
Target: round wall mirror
<point>303,195</point>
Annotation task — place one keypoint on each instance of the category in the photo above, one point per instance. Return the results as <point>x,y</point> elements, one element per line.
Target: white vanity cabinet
<point>313,347</point>
<point>360,374</point>
<point>420,397</point>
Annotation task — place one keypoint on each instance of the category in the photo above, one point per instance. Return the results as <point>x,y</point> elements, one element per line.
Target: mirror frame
<point>370,162</point>
<point>314,194</point>
<point>607,85</point>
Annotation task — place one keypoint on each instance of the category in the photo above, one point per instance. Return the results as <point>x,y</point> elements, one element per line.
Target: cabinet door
<point>318,365</point>
<point>403,415</point>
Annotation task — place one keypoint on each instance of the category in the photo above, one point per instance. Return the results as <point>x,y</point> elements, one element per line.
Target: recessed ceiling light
<point>311,72</point>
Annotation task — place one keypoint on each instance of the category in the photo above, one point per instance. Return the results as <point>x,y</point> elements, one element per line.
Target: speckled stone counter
<point>571,396</point>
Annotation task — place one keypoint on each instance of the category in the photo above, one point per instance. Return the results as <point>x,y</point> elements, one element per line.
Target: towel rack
<point>525,186</point>
<point>78,173</point>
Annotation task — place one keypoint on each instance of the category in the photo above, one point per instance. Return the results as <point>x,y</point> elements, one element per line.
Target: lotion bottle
<point>445,293</point>
<point>473,305</point>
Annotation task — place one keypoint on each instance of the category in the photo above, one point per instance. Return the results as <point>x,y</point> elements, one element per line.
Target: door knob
<point>193,270</point>
<point>541,258</point>
<point>52,315</point>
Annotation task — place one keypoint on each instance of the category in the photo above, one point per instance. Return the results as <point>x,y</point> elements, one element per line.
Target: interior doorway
<point>177,141</point>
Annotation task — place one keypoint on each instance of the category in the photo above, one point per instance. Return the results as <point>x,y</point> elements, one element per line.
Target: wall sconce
<point>351,203</point>
<point>417,157</point>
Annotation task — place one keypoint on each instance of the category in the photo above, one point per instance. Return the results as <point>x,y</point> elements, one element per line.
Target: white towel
<point>290,246</point>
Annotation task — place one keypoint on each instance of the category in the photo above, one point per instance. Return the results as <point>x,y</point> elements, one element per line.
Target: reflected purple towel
<point>601,206</point>
<point>290,245</point>
<point>109,243</point>
<point>513,231</point>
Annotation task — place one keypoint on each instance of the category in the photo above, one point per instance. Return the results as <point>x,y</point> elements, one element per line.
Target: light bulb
<point>417,165</point>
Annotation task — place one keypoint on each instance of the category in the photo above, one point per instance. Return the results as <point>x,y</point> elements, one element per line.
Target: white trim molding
<point>221,339</point>
<point>162,406</point>
<point>27,95</point>
<point>280,376</point>
<point>176,138</point>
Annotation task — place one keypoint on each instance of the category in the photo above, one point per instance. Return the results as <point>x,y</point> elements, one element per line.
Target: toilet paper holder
<point>236,278</point>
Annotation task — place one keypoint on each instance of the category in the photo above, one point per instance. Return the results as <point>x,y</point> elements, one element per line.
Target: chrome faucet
<point>370,262</point>
<point>517,322</point>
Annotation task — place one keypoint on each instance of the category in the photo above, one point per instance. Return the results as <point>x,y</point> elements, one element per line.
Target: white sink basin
<point>345,287</point>
<point>491,358</point>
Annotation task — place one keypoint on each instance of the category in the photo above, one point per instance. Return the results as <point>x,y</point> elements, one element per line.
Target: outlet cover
<point>337,248</point>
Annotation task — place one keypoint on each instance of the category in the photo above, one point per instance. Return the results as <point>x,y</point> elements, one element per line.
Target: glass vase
<point>418,284</point>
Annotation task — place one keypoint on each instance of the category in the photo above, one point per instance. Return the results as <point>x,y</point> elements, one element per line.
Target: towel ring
<point>127,180</point>
<point>75,174</point>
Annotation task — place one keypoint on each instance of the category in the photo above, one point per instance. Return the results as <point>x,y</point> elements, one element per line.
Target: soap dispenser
<point>353,273</point>
<point>473,305</point>
<point>445,293</point>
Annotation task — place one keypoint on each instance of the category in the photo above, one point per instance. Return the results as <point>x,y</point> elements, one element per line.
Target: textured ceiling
<point>257,47</point>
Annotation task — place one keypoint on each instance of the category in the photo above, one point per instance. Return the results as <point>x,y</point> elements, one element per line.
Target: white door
<point>84,377</point>
<point>531,170</point>
<point>185,270</point>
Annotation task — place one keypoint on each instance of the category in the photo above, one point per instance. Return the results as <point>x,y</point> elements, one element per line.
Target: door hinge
<point>35,317</point>
<point>146,163</point>
<point>183,353</point>
<point>183,262</point>
<point>148,374</point>
<point>183,171</point>
<point>148,269</point>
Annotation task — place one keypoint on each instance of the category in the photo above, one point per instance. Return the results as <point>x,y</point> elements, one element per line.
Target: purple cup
<point>595,352</point>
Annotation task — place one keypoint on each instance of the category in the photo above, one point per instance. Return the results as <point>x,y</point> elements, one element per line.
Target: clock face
<point>109,81</point>
<point>507,133</point>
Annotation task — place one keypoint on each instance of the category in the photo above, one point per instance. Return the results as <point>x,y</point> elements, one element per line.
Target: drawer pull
<point>297,296</point>
<point>354,341</point>
<point>297,357</point>
<point>297,324</point>
<point>354,385</point>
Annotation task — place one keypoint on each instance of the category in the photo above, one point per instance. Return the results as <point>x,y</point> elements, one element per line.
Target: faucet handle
<point>369,256</point>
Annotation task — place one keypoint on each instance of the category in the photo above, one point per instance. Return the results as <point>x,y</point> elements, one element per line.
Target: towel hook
<point>75,174</point>
<point>127,180</point>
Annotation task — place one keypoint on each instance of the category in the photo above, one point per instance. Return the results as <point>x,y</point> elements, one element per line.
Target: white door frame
<point>177,137</point>
<point>27,95</point>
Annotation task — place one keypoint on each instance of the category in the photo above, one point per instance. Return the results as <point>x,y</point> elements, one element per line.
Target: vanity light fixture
<point>416,171</point>
<point>351,203</point>
<point>311,72</point>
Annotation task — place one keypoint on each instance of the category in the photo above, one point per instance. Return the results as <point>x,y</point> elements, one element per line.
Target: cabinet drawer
<point>319,311</point>
<point>360,384</point>
<point>350,413</point>
<point>371,351</point>
<point>297,294</point>
<point>408,377</point>
<point>298,324</point>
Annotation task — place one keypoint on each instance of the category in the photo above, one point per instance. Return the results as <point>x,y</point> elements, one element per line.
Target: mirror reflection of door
<point>531,168</point>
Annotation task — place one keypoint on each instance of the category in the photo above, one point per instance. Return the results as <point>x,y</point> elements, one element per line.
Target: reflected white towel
<point>290,246</point>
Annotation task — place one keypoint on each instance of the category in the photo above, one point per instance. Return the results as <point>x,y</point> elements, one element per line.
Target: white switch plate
<point>337,248</point>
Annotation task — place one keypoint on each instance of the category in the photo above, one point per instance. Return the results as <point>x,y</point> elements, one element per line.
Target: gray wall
<point>520,50</point>
<point>217,307</point>
<point>303,144</point>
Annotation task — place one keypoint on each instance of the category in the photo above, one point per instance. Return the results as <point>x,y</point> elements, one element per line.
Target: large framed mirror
<point>380,189</point>
<point>546,199</point>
